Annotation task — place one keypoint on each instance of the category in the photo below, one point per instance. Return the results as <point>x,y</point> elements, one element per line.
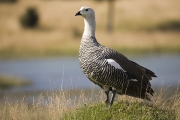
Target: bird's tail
<point>138,89</point>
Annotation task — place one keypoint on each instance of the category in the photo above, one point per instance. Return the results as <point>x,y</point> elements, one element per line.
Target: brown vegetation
<point>137,27</point>
<point>82,103</point>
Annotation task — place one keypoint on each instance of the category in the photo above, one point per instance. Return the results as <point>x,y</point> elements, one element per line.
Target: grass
<point>139,26</point>
<point>172,25</point>
<point>128,108</point>
<point>120,110</point>
<point>89,104</point>
<point>9,81</point>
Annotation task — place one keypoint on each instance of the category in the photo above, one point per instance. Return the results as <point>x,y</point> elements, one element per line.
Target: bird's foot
<point>107,103</point>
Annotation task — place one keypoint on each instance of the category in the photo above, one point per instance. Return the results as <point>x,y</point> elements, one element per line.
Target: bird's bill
<point>78,13</point>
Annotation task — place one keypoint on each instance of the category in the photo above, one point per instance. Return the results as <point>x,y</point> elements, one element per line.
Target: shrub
<point>30,18</point>
<point>8,1</point>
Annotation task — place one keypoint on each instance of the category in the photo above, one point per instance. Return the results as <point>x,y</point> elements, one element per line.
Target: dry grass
<point>54,105</point>
<point>40,109</point>
<point>59,31</point>
<point>46,106</point>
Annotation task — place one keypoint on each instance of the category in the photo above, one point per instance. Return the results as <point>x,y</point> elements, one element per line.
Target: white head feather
<point>89,20</point>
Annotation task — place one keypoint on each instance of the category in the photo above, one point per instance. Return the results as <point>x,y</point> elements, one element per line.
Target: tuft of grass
<point>9,81</point>
<point>120,110</point>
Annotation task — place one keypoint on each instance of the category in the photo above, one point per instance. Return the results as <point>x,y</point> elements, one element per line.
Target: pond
<point>64,72</point>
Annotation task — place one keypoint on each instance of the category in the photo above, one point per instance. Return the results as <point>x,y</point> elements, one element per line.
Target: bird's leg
<point>107,100</point>
<point>112,97</point>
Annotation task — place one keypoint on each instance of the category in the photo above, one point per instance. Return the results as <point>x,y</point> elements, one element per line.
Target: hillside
<point>138,27</point>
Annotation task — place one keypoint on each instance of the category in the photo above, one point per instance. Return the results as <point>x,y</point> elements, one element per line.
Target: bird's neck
<point>89,26</point>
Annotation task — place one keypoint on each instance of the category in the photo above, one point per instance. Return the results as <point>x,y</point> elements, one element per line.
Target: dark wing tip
<point>154,75</point>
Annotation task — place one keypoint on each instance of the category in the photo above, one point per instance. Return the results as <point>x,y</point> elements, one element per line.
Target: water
<point>64,73</point>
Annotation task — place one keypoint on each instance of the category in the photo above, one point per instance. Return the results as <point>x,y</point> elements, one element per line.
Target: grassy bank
<point>128,108</point>
<point>120,110</point>
<point>82,104</point>
<point>127,43</point>
<point>10,81</point>
<point>139,27</point>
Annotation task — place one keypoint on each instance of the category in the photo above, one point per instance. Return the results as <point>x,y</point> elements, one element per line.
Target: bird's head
<point>85,12</point>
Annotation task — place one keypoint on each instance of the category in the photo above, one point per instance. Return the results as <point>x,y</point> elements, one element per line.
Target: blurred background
<point>39,41</point>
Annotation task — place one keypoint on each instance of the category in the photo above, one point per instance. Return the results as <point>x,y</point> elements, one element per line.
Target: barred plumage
<point>98,64</point>
<point>95,66</point>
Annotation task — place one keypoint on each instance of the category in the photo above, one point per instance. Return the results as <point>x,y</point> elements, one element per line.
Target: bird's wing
<point>134,70</point>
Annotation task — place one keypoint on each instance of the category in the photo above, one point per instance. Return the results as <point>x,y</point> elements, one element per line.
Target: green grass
<point>34,53</point>
<point>56,52</point>
<point>120,110</point>
<point>153,50</point>
<point>9,81</point>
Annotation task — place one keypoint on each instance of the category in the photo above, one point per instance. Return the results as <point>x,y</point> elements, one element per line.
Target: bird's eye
<point>86,9</point>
